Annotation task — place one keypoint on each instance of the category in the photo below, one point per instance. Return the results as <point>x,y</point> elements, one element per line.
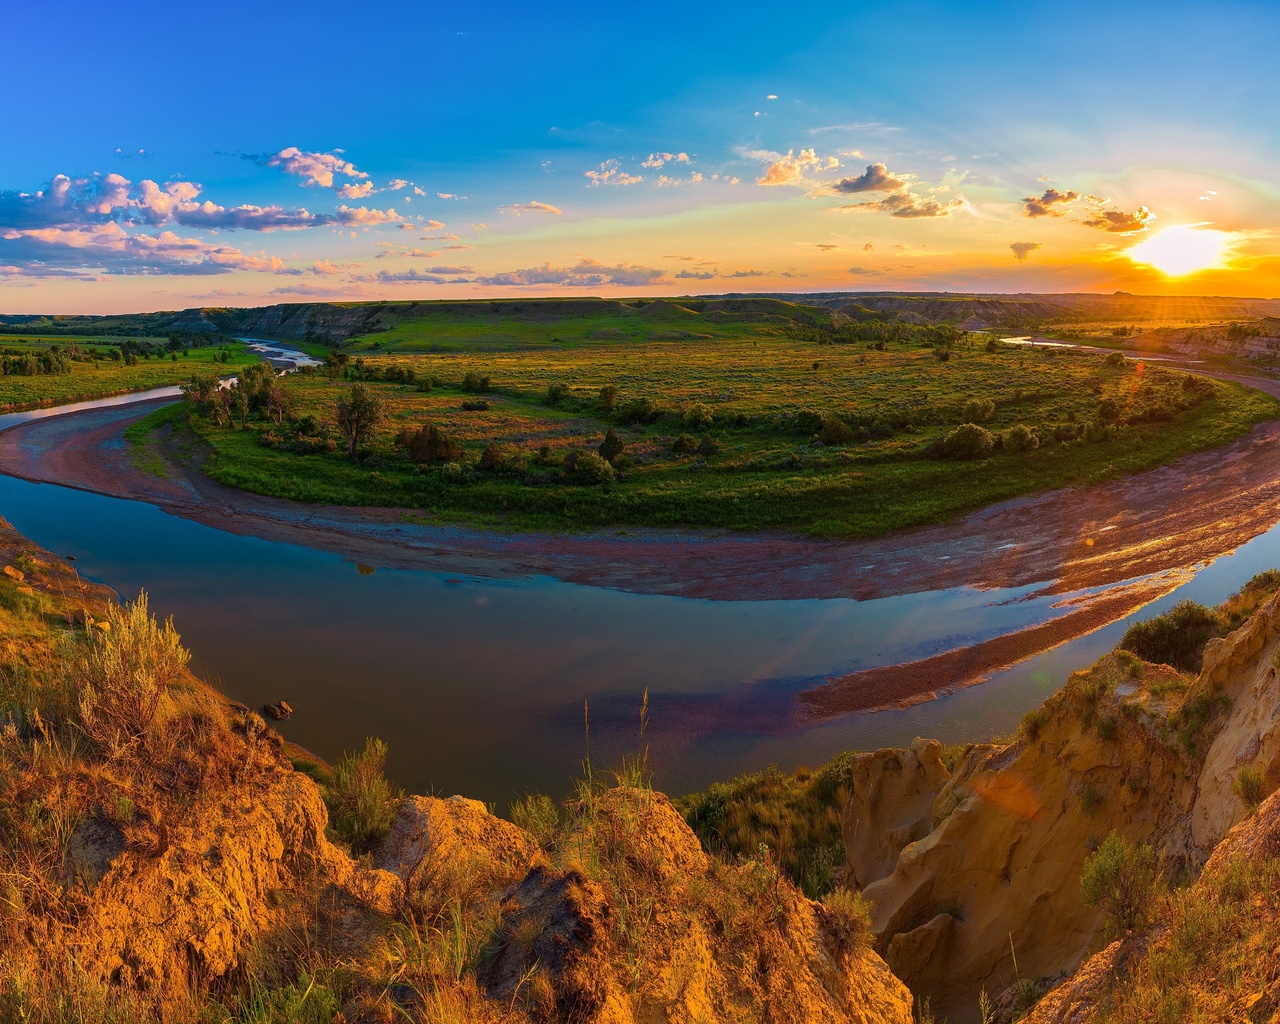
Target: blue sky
<point>548,128</point>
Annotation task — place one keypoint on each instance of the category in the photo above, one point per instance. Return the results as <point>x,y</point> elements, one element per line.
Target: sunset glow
<point>1183,249</point>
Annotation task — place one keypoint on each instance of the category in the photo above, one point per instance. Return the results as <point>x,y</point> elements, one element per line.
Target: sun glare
<point>1183,249</point>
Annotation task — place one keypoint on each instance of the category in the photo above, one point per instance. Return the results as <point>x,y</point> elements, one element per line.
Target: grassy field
<point>568,324</point>
<point>749,433</point>
<point>92,374</point>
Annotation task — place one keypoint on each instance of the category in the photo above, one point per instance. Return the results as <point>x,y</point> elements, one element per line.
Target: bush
<point>685,444</point>
<point>361,802</point>
<point>556,391</point>
<point>1175,638</point>
<point>1020,439</point>
<point>638,410</point>
<point>590,468</point>
<point>428,444</point>
<point>835,432</point>
<point>978,410</point>
<point>127,671</point>
<point>612,446</point>
<point>1121,879</point>
<point>472,381</point>
<point>1114,359</point>
<point>1032,722</point>
<point>846,916</point>
<point>968,441</point>
<point>1249,787</point>
<point>1096,432</point>
<point>608,398</point>
<point>475,405</point>
<point>708,446</point>
<point>493,457</point>
<point>697,415</point>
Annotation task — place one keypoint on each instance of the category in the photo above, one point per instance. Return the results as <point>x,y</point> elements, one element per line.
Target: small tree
<point>612,446</point>
<point>1121,879</point>
<point>362,802</point>
<point>358,413</point>
<point>608,398</point>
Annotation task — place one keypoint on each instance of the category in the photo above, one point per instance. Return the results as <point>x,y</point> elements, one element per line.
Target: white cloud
<point>316,168</point>
<point>611,173</point>
<point>352,191</point>
<point>518,209</point>
<point>586,273</point>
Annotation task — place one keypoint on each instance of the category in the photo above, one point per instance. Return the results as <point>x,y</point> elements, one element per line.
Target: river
<point>478,683</point>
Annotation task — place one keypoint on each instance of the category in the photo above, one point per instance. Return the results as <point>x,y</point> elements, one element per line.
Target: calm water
<point>478,684</point>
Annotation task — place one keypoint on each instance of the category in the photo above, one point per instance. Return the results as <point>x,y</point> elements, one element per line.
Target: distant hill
<point>337,322</point>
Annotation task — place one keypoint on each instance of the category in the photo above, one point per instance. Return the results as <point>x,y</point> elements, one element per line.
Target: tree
<point>358,413</point>
<point>277,402</point>
<point>612,445</point>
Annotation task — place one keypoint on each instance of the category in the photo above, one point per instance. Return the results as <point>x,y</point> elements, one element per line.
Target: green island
<point>742,414</point>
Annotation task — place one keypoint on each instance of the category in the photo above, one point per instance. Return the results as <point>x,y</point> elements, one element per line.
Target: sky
<point>155,156</point>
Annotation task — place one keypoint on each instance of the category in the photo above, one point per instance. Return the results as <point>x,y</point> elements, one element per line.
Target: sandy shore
<point>1158,523</point>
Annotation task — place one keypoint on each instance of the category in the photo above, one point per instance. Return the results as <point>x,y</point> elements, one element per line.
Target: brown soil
<point>1156,523</point>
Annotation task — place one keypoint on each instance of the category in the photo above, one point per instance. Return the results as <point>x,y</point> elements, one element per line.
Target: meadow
<point>78,369</point>
<point>752,430</point>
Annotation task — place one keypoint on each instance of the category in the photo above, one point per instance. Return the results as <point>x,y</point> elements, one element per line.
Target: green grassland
<point>87,371</point>
<point>509,325</point>
<point>725,431</point>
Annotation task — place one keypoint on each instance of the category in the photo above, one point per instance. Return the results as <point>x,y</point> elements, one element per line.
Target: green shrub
<point>361,802</point>
<point>1090,798</point>
<point>1175,638</point>
<point>590,468</point>
<point>556,392</point>
<point>638,410</point>
<point>685,444</point>
<point>1115,359</point>
<point>608,398</point>
<point>476,382</point>
<point>1249,787</point>
<point>1096,432</point>
<point>708,446</point>
<point>475,405</point>
<point>968,441</point>
<point>127,671</point>
<point>1121,879</point>
<point>697,415</point>
<point>835,431</point>
<point>846,916</point>
<point>1020,439</point>
<point>977,410</point>
<point>493,457</point>
<point>1032,722</point>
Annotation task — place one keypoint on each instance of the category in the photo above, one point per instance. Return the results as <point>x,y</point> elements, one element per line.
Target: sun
<point>1183,249</point>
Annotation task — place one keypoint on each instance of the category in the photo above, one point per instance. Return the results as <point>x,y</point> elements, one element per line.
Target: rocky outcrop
<point>985,888</point>
<point>890,807</point>
<point>1240,675</point>
<point>242,864</point>
<point>431,839</point>
<point>1087,993</point>
<point>658,931</point>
